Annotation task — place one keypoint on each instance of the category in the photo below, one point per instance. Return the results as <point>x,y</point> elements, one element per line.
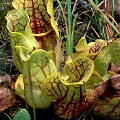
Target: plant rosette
<point>34,37</point>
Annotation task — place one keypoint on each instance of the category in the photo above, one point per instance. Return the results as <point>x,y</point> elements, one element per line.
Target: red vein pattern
<point>68,96</point>
<point>17,23</point>
<point>109,107</point>
<point>71,105</point>
<point>110,54</point>
<point>37,11</point>
<point>79,70</point>
<point>39,20</point>
<point>35,70</point>
<point>97,47</point>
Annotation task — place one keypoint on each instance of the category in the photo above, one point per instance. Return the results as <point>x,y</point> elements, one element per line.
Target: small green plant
<point>35,48</point>
<point>22,114</point>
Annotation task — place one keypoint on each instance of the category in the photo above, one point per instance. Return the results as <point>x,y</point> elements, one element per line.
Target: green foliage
<point>104,16</point>
<point>34,48</point>
<point>22,115</point>
<point>28,54</point>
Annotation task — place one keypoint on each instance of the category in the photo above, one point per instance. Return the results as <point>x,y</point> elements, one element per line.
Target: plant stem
<point>69,37</point>
<point>7,116</point>
<point>34,113</point>
<point>97,2</point>
<point>113,8</point>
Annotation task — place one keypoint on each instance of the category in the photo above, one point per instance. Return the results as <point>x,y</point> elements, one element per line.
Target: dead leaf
<point>8,98</point>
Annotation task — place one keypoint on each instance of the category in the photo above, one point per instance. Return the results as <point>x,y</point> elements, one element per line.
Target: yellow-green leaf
<point>18,23</point>
<point>35,70</point>
<point>79,71</point>
<point>42,20</point>
<point>110,54</point>
<point>19,86</point>
<point>66,91</point>
<point>96,47</point>
<point>20,54</point>
<point>82,46</point>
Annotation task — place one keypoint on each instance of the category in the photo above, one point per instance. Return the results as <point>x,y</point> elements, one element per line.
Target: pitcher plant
<point>37,55</point>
